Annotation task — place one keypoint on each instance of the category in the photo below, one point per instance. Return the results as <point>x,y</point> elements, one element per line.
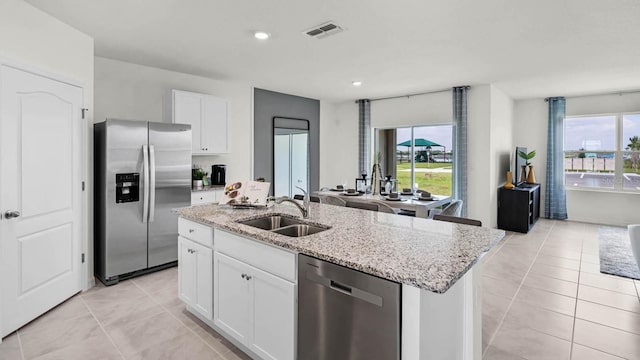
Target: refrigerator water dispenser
<point>127,187</point>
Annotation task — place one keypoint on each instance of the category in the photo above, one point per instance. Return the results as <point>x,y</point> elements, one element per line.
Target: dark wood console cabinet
<point>518,208</point>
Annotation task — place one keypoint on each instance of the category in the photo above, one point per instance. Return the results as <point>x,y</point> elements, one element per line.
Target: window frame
<point>619,151</point>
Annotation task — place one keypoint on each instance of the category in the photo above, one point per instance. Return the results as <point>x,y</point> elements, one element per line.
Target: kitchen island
<point>434,261</point>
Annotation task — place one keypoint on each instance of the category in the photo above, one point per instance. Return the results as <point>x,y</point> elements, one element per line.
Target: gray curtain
<point>555,195</point>
<point>364,136</point>
<point>460,145</point>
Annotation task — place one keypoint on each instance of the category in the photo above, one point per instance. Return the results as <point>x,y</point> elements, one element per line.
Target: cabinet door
<point>195,278</point>
<point>274,301</point>
<point>188,108</point>
<point>186,271</point>
<point>217,195</point>
<point>232,294</point>
<point>215,125</point>
<point>203,301</point>
<point>203,197</point>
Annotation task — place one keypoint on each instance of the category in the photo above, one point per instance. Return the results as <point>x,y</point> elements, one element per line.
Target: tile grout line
<point>575,307</point>
<point>222,357</point>
<point>102,327</point>
<point>20,344</point>
<point>517,291</point>
<point>575,317</point>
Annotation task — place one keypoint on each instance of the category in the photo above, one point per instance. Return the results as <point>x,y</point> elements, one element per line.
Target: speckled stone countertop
<point>208,188</point>
<point>428,254</point>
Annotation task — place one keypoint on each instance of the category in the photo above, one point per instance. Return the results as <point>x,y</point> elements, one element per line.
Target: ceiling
<point>526,48</point>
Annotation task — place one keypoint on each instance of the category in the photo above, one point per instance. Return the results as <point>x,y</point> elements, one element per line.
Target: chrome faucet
<point>306,201</point>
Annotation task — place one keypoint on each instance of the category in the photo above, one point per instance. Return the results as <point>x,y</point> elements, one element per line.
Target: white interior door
<point>40,195</point>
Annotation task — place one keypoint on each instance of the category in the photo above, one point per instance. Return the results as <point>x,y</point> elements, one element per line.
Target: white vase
<point>634,237</point>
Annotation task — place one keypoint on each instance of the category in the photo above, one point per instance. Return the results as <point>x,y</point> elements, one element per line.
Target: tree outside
<point>634,158</point>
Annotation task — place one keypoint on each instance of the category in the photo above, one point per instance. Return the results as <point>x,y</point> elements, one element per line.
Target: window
<point>418,156</point>
<point>602,152</point>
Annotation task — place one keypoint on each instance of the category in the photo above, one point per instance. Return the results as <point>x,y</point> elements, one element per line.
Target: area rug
<point>616,257</point>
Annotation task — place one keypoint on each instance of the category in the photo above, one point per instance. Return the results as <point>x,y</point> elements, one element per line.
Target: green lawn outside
<point>435,183</point>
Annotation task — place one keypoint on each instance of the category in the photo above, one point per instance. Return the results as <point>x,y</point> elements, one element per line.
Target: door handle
<point>152,183</point>
<point>10,214</point>
<point>145,179</point>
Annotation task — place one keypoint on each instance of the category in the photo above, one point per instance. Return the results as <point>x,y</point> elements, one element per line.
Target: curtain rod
<point>620,93</point>
<point>416,94</point>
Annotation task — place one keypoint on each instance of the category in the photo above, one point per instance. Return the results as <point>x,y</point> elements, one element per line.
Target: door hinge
<point>83,258</point>
<point>84,110</point>
<point>83,186</point>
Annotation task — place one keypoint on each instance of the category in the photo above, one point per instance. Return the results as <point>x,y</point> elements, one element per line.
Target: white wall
<point>338,143</point>
<point>130,91</point>
<point>490,118</point>
<point>424,109</point>
<point>530,130</point>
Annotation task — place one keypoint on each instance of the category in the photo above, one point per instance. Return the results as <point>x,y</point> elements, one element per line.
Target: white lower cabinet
<point>273,317</point>
<point>257,308</point>
<point>195,276</point>
<point>233,297</point>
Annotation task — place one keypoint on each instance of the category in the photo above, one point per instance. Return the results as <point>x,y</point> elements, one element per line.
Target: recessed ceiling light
<point>356,83</point>
<point>261,35</point>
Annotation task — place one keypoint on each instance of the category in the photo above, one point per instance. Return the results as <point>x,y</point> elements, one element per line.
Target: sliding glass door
<point>418,156</point>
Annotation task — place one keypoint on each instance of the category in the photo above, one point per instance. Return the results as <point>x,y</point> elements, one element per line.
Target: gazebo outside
<point>424,143</point>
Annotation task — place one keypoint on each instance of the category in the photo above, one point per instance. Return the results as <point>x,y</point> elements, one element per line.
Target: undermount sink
<point>271,222</point>
<point>284,225</point>
<point>299,230</point>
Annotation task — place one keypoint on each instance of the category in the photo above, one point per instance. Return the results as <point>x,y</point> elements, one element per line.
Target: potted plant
<point>196,176</point>
<point>531,179</point>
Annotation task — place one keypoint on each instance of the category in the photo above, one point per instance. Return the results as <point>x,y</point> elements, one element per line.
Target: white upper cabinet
<point>209,119</point>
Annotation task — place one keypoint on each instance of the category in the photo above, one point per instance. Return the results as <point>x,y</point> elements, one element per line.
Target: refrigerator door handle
<point>152,182</point>
<point>145,179</point>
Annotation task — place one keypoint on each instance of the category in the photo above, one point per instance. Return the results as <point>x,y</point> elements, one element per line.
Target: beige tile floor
<point>544,298</point>
<point>140,318</point>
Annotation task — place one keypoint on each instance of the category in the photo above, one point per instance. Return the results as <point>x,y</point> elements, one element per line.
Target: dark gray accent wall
<point>269,104</point>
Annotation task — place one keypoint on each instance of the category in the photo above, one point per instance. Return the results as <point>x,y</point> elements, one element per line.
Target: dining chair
<point>453,209</point>
<point>362,205</point>
<point>385,208</point>
<point>457,219</point>
<point>332,200</point>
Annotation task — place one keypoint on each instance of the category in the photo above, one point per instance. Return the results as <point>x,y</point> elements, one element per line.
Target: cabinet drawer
<point>199,233</point>
<point>265,257</point>
<point>203,197</point>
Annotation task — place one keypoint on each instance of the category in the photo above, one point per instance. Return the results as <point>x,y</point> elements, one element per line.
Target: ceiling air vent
<point>323,30</point>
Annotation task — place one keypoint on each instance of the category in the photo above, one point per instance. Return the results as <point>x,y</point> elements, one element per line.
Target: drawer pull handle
<point>243,276</point>
<point>191,230</point>
<point>248,277</point>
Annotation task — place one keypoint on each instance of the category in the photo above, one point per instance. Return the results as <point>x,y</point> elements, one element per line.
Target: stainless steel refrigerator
<point>142,170</point>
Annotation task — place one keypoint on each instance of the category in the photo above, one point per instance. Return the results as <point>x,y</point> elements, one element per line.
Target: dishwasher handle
<point>344,289</point>
<point>338,286</point>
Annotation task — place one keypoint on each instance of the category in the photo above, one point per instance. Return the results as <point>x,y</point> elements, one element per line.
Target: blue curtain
<point>555,195</point>
<point>460,145</point>
<point>364,136</point>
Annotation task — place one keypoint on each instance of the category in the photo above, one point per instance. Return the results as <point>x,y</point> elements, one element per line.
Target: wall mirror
<point>290,156</point>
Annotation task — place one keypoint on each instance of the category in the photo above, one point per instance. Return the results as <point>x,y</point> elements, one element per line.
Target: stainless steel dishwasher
<point>346,314</point>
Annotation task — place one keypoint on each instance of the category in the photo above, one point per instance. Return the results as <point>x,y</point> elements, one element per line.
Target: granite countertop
<point>208,188</point>
<point>427,254</point>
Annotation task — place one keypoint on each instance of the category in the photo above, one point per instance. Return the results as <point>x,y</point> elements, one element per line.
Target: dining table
<point>407,202</point>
